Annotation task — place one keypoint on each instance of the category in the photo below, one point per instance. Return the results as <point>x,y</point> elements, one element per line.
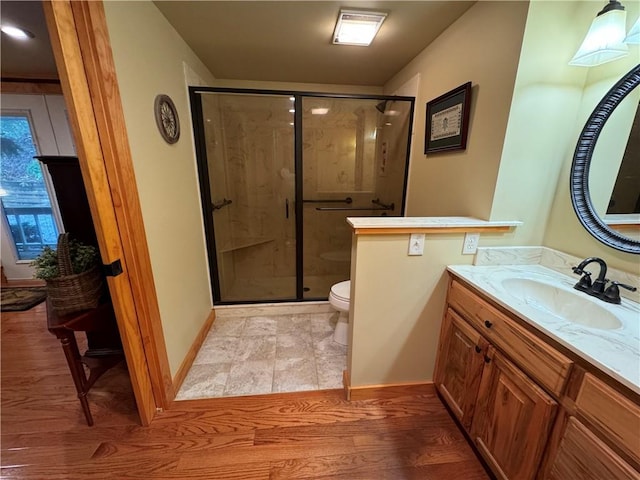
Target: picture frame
<point>447,123</point>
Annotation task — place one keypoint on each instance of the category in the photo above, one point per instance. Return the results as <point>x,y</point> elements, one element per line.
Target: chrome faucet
<point>597,288</point>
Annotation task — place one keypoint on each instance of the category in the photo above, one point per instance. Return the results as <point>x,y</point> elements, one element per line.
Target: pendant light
<point>605,39</point>
<point>633,37</point>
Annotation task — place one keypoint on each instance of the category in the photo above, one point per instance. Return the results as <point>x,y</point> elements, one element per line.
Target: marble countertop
<point>616,352</point>
<point>426,222</point>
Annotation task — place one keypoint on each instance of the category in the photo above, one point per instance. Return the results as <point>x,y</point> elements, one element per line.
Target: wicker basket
<point>72,292</point>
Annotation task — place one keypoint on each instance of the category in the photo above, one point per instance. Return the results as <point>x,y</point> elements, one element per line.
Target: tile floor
<point>251,351</point>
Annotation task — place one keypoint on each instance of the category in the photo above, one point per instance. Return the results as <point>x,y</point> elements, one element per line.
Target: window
<point>25,199</point>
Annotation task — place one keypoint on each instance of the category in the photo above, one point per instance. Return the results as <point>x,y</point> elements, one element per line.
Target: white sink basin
<point>566,304</point>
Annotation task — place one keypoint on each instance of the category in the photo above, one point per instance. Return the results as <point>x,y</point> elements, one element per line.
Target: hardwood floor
<point>405,434</point>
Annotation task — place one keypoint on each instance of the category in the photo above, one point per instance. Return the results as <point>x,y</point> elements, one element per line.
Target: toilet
<point>339,298</point>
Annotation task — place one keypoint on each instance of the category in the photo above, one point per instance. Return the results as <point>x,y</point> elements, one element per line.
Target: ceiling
<point>30,59</point>
<point>287,41</point>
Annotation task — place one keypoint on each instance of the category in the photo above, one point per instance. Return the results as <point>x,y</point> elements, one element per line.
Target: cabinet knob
<point>478,349</point>
<point>487,359</point>
<point>488,324</point>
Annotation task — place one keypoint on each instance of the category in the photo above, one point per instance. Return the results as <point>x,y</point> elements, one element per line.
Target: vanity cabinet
<point>512,419</point>
<point>506,414</point>
<point>533,409</point>
<point>460,364</point>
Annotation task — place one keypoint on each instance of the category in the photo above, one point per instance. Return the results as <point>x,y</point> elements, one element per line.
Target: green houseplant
<point>83,258</point>
<point>72,274</point>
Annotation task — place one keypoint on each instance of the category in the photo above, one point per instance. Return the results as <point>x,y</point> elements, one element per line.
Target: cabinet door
<point>459,368</point>
<point>582,455</point>
<point>512,419</point>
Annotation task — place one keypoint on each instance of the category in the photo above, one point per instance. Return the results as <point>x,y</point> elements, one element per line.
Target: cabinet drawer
<point>614,415</point>
<point>549,367</point>
<point>582,455</point>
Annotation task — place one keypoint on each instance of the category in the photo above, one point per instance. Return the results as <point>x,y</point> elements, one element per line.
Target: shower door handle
<point>286,207</point>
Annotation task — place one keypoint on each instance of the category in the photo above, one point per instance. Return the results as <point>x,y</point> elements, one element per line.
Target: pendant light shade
<point>633,37</point>
<point>605,39</point>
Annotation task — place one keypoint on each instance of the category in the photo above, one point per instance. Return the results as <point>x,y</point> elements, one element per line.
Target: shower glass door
<point>249,146</point>
<point>280,172</point>
<point>354,160</point>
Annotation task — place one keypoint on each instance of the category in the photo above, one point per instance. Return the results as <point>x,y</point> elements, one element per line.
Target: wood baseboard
<point>191,354</point>
<point>366,392</point>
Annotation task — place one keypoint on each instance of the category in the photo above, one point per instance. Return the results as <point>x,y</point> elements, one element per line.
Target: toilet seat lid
<point>342,290</point>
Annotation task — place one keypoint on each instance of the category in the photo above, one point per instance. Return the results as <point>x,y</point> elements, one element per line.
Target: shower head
<point>382,106</point>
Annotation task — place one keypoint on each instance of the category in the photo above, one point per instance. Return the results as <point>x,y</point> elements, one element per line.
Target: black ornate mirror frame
<point>579,181</point>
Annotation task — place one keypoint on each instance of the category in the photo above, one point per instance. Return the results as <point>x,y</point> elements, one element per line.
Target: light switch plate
<point>470,245</point>
<point>416,244</point>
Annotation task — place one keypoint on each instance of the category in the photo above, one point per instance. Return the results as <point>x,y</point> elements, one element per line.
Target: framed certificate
<point>448,120</point>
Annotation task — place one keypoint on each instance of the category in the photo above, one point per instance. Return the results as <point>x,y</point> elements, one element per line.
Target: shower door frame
<point>205,188</point>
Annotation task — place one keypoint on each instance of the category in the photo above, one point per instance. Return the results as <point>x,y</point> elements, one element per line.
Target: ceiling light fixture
<point>605,39</point>
<point>357,27</point>
<point>16,32</point>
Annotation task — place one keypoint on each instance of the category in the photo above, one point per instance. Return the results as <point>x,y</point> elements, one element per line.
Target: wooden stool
<point>98,361</point>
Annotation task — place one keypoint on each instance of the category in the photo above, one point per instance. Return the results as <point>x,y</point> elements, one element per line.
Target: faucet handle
<point>612,293</point>
<point>627,287</point>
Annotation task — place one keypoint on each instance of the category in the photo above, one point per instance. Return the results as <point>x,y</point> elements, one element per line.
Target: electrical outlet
<point>416,244</point>
<point>470,243</point>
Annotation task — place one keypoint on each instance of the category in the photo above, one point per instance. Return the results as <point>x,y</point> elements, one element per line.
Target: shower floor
<point>255,349</point>
<point>257,288</point>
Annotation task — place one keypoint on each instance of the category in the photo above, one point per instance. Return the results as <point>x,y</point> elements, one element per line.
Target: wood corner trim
<point>367,392</point>
<point>186,364</point>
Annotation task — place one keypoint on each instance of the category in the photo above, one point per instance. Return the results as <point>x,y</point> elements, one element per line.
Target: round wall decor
<point>167,118</point>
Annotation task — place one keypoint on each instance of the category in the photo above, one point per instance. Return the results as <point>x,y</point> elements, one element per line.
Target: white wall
<point>149,57</point>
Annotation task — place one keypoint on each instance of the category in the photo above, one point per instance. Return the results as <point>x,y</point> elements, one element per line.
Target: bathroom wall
<point>397,307</point>
<point>551,102</point>
<point>542,119</point>
<point>483,47</point>
<point>399,299</point>
<point>149,58</point>
<point>564,232</point>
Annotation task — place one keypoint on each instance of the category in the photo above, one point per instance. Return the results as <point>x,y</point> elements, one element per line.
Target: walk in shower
<point>279,174</point>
